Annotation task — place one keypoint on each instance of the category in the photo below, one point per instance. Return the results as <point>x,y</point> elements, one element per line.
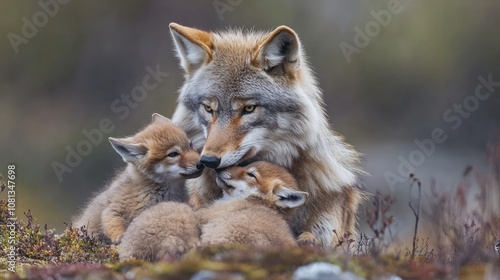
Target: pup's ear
<point>159,118</point>
<point>130,151</point>
<point>288,198</point>
<point>279,52</point>
<point>194,47</point>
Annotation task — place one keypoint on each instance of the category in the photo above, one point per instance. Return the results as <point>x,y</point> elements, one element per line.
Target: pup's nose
<point>210,161</point>
<point>199,165</point>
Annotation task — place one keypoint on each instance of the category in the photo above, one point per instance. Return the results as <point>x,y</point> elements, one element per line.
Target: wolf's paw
<point>114,230</point>
<point>307,239</point>
<point>115,236</point>
<point>116,240</point>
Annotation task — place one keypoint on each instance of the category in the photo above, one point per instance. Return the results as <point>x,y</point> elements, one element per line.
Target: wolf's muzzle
<point>210,161</point>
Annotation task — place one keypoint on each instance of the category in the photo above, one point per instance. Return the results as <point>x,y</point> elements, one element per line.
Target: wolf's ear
<point>194,47</point>
<point>279,52</point>
<point>288,198</point>
<point>130,151</point>
<point>159,118</point>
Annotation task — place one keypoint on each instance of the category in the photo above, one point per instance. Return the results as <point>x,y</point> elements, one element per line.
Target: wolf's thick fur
<point>151,176</point>
<point>251,96</point>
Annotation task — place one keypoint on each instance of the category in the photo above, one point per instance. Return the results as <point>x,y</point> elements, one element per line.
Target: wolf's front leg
<point>203,190</point>
<point>113,224</point>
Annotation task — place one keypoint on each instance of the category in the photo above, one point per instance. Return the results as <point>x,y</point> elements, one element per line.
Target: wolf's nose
<point>210,161</point>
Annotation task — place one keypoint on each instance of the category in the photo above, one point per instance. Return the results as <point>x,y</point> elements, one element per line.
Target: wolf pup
<point>159,160</point>
<point>257,200</point>
<point>251,96</point>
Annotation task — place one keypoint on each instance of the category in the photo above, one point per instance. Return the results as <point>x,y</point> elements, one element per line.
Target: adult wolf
<point>251,96</point>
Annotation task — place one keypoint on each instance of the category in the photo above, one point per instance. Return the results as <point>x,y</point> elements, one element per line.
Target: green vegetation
<point>38,246</point>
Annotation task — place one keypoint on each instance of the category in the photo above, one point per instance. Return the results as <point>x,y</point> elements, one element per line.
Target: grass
<point>465,223</point>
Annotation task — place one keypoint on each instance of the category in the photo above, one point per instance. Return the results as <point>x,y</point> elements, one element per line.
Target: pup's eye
<point>249,109</point>
<point>208,108</point>
<point>191,144</point>
<point>251,175</point>
<point>173,154</point>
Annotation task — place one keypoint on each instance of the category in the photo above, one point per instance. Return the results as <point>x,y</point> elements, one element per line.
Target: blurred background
<point>64,64</point>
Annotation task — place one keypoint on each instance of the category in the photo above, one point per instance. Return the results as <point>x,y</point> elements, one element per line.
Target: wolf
<point>258,199</point>
<point>159,160</point>
<point>251,96</point>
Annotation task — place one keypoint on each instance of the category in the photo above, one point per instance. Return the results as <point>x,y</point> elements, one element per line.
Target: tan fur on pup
<point>168,229</point>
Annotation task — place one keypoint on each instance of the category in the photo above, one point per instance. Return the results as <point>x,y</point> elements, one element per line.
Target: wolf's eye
<point>251,174</point>
<point>173,154</point>
<point>208,108</point>
<point>249,109</point>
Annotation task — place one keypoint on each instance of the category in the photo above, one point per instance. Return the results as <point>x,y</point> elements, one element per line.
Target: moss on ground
<point>250,263</point>
<point>38,247</point>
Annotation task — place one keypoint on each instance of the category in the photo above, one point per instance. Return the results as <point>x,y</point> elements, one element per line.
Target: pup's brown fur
<point>258,199</point>
<point>244,222</point>
<point>168,229</point>
<point>159,160</point>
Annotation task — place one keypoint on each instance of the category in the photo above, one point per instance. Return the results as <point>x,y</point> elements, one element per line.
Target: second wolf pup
<point>159,159</point>
<point>258,200</point>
